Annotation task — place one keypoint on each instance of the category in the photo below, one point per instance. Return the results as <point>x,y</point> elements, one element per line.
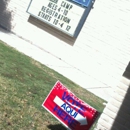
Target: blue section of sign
<point>83,2</point>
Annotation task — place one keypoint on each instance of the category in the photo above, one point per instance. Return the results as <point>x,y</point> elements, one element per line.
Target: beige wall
<point>116,115</point>
<point>100,52</point>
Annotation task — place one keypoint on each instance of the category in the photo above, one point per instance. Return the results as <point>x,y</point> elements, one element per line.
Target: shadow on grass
<point>57,127</point>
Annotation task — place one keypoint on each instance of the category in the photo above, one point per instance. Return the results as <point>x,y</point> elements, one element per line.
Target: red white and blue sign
<point>74,113</point>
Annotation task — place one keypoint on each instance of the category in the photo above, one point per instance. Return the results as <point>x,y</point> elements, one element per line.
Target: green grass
<point>24,84</point>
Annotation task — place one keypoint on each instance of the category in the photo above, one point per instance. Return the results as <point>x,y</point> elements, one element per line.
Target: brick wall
<point>116,115</point>
<point>100,52</point>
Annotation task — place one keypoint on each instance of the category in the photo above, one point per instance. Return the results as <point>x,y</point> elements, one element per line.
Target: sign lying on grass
<point>74,113</point>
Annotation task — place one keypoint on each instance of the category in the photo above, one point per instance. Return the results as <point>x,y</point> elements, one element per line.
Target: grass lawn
<point>24,84</point>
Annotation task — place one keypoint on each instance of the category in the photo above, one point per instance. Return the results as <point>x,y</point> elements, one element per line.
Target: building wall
<point>116,115</point>
<point>100,52</point>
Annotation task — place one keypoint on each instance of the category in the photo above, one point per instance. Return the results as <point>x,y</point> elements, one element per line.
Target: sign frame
<point>80,22</point>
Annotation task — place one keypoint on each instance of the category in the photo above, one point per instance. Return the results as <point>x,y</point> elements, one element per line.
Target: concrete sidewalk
<point>53,62</point>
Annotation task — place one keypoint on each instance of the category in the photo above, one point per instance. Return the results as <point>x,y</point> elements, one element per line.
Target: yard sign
<point>74,113</point>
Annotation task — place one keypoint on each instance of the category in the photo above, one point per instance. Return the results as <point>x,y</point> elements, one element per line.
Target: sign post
<point>71,111</point>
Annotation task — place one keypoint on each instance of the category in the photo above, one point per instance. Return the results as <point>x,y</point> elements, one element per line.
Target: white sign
<point>61,14</point>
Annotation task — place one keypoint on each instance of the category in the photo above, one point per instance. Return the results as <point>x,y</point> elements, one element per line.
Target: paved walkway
<point>55,63</point>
